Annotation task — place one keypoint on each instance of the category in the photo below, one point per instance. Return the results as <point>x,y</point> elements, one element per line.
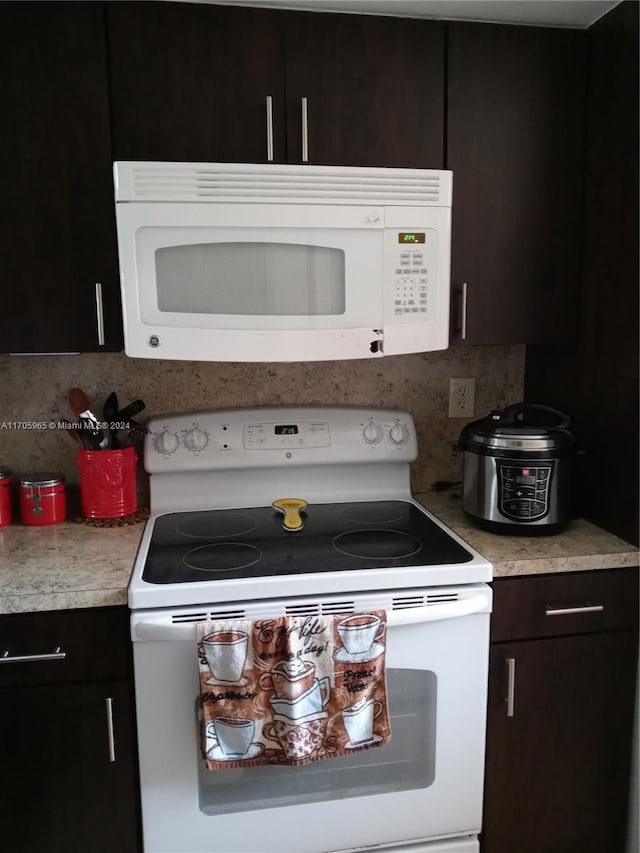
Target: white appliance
<point>237,262</point>
<point>214,548</point>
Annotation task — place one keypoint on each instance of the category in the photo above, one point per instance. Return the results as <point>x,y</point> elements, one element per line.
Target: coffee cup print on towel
<point>231,739</point>
<point>358,722</point>
<point>360,635</point>
<point>226,654</point>
<point>289,678</point>
<point>312,701</point>
<point>300,738</point>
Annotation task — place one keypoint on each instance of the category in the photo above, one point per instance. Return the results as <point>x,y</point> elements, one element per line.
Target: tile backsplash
<point>34,389</point>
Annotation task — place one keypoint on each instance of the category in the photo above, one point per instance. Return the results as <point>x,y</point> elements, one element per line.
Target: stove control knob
<point>372,433</point>
<point>196,439</point>
<point>166,442</point>
<point>399,434</point>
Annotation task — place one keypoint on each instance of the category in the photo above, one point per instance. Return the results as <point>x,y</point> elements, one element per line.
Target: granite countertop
<point>74,565</point>
<point>580,547</point>
<point>65,566</point>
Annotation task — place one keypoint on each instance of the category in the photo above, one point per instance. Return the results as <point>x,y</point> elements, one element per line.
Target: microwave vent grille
<point>184,182</point>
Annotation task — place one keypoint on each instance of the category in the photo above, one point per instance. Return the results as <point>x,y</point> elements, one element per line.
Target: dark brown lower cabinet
<point>560,717</point>
<point>68,773</point>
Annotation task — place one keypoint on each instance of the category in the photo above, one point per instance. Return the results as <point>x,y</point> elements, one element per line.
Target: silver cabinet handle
<point>57,655</point>
<point>511,686</point>
<point>99,314</point>
<point>305,131</point>
<point>110,735</point>
<point>566,611</point>
<point>269,103</point>
<point>463,312</point>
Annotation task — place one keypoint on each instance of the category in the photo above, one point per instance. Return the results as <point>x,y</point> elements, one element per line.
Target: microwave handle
<point>160,630</point>
<point>269,107</point>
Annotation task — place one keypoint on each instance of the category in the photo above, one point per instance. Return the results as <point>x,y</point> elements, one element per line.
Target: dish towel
<point>292,690</point>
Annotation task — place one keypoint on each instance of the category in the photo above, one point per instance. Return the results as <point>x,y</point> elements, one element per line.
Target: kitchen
<point>506,370</point>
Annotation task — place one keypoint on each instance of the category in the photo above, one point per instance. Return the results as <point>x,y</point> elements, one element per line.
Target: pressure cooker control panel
<point>523,490</point>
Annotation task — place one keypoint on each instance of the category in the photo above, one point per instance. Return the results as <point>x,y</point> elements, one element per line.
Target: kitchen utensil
<point>78,401</point>
<point>110,413</point>
<point>129,411</point>
<point>81,408</point>
<point>518,467</point>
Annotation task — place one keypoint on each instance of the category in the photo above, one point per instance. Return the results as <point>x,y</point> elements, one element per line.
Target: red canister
<point>5,496</point>
<point>108,482</point>
<point>43,498</point>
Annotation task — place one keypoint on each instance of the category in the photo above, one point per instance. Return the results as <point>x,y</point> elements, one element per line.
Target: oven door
<point>425,784</point>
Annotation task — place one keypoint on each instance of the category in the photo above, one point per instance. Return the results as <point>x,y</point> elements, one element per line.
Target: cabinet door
<point>516,120</point>
<point>59,789</point>
<point>57,240</point>
<point>557,771</point>
<point>190,82</point>
<point>374,90</point>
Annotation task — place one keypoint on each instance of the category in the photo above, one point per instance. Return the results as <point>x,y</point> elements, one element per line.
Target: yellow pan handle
<point>290,507</point>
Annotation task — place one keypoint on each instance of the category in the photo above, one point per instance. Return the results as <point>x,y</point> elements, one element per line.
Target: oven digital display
<point>411,237</point>
<point>286,429</point>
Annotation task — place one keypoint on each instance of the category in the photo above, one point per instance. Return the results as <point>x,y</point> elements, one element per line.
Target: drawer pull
<point>111,740</point>
<point>511,686</point>
<point>568,611</point>
<point>57,655</point>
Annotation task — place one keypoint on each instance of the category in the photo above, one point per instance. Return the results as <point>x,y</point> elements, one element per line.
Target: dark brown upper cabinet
<point>60,290</point>
<point>205,83</point>
<point>373,89</point>
<point>516,122</point>
<point>190,82</point>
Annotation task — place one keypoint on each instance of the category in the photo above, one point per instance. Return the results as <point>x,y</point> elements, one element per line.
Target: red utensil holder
<point>108,482</point>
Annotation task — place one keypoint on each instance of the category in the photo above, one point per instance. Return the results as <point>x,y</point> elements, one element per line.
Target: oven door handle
<point>437,612</point>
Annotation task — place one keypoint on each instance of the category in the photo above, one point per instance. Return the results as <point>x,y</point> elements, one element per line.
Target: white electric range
<point>216,548</point>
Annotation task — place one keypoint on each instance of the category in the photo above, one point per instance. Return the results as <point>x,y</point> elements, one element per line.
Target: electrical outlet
<point>462,398</point>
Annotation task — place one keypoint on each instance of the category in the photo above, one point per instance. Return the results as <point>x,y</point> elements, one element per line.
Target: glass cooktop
<point>239,543</point>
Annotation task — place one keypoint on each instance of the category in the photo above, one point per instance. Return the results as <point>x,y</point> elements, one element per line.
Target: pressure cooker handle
<point>510,414</point>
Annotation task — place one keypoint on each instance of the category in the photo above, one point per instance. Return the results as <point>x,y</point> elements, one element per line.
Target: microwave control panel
<point>411,266</point>
<point>523,490</point>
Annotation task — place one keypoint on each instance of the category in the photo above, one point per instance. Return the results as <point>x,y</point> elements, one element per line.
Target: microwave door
<point>280,292</point>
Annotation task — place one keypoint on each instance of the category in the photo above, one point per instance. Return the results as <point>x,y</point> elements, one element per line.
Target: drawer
<point>561,604</point>
<point>92,643</point>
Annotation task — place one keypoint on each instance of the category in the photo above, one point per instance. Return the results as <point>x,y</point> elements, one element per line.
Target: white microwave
<point>241,262</point>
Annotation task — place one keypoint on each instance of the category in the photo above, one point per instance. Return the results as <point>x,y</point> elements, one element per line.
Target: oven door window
<point>251,278</point>
<point>406,763</point>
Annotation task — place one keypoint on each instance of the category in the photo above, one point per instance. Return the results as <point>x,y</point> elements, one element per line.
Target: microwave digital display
<point>286,429</point>
<point>411,237</point>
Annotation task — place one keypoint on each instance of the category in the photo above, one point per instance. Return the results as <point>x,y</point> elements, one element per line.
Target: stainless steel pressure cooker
<point>517,470</point>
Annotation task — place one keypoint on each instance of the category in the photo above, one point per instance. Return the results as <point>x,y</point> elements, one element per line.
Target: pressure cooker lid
<point>524,426</point>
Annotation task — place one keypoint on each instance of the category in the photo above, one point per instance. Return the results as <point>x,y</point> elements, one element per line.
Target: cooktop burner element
<point>258,546</point>
<point>222,557</point>
<point>226,525</point>
<point>378,544</point>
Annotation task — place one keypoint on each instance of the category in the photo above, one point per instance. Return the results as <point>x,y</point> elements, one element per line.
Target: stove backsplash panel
<point>34,389</point>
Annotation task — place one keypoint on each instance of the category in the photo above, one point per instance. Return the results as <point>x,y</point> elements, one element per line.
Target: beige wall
<point>35,389</point>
